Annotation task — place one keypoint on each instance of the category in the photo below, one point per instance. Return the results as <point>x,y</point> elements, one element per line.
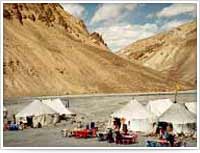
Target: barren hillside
<point>47,51</point>
<point>173,53</point>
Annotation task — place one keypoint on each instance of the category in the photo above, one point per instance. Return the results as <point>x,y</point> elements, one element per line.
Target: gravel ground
<point>92,108</point>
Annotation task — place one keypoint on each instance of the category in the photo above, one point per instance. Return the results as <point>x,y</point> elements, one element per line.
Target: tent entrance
<point>117,122</point>
<point>29,121</point>
<point>162,125</point>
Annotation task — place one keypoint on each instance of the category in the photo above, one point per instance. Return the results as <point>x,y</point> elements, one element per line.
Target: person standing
<point>170,136</point>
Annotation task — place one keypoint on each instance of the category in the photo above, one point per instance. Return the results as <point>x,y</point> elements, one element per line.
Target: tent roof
<point>178,114</point>
<point>158,107</point>
<point>192,107</point>
<point>35,108</point>
<point>57,105</point>
<point>133,110</point>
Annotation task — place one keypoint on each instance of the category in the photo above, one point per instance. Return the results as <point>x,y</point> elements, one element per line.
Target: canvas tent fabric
<point>36,108</point>
<point>137,115</point>
<point>57,105</point>
<point>187,129</point>
<point>43,119</point>
<point>5,112</point>
<point>179,116</point>
<point>4,109</point>
<point>158,107</point>
<point>40,112</point>
<point>192,107</point>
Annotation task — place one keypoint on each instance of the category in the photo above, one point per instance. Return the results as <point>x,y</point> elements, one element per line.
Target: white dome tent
<point>139,117</point>
<point>192,107</point>
<point>158,107</point>
<point>180,117</point>
<point>40,112</point>
<point>57,105</point>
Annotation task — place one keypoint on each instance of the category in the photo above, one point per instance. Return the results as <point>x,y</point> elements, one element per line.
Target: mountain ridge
<point>42,58</point>
<point>172,53</point>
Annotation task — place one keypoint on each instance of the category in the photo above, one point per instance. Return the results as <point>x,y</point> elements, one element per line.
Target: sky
<point>123,24</point>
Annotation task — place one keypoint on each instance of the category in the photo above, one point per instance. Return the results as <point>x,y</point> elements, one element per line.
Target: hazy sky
<point>122,24</point>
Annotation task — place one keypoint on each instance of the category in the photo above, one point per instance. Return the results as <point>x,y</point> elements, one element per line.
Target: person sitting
<point>110,136</point>
<point>13,126</point>
<point>125,129</point>
<point>21,125</point>
<point>118,136</point>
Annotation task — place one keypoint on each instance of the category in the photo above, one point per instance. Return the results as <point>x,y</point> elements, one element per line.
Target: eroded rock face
<point>173,53</point>
<point>52,15</point>
<point>97,39</point>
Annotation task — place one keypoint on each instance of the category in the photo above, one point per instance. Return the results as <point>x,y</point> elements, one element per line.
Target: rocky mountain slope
<point>47,51</point>
<point>173,53</point>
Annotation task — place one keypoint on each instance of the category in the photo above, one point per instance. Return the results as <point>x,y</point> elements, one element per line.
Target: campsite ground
<point>89,108</point>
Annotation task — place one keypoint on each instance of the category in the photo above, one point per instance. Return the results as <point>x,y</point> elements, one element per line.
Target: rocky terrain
<point>173,53</point>
<point>47,51</point>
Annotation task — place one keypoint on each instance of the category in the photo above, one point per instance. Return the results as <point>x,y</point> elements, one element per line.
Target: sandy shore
<point>92,108</point>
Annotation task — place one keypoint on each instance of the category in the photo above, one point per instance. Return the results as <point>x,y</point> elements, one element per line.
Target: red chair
<point>81,134</point>
<point>94,132</point>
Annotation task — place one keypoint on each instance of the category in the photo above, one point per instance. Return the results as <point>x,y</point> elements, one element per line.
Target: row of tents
<point>141,118</point>
<point>44,112</point>
<point>136,115</point>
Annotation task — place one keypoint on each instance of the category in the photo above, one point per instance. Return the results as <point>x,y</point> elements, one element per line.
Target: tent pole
<point>175,96</point>
<point>177,88</point>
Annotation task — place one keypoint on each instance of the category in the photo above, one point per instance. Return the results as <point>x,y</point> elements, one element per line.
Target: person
<point>67,104</point>
<point>129,126</point>
<point>21,125</point>
<point>13,126</point>
<point>162,133</point>
<point>125,129</point>
<point>110,136</point>
<point>118,136</point>
<point>169,135</point>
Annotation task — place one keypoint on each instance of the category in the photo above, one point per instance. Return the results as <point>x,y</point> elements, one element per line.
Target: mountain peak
<point>52,15</point>
<point>97,39</point>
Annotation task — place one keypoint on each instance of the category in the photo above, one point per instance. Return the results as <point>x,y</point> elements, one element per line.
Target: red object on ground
<point>163,141</point>
<point>81,133</point>
<point>5,126</point>
<point>129,138</point>
<point>85,133</point>
<point>94,131</point>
